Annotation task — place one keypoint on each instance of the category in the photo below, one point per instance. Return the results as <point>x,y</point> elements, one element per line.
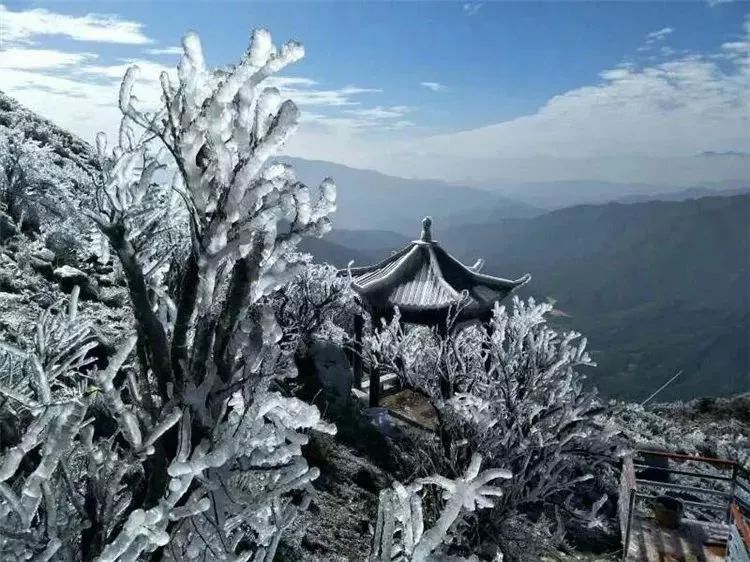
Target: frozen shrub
<point>188,448</point>
<point>65,247</point>
<point>314,304</point>
<point>33,190</point>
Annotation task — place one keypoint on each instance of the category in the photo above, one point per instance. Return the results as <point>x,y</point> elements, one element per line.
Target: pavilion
<point>425,282</point>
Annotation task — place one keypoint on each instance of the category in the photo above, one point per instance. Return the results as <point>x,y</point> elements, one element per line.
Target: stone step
<point>386,381</point>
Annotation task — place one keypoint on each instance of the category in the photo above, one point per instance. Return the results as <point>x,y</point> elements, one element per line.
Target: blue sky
<point>462,91</point>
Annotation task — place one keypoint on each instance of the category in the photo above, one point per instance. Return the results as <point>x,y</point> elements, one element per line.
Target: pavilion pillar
<point>446,388</point>
<point>357,356</point>
<point>374,390</point>
<point>374,387</point>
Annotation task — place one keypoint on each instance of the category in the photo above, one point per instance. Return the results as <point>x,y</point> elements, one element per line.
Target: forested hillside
<point>658,287</point>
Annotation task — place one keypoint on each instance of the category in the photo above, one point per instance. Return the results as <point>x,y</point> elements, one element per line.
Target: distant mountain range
<point>369,200</point>
<point>657,287</point>
<point>561,194</point>
<point>685,194</point>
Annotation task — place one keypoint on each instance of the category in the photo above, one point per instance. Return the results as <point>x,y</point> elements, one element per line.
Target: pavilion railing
<point>715,491</point>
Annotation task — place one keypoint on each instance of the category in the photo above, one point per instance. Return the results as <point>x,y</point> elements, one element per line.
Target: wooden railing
<point>738,547</point>
<point>722,488</point>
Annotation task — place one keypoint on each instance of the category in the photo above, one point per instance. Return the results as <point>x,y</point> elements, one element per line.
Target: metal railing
<point>717,492</point>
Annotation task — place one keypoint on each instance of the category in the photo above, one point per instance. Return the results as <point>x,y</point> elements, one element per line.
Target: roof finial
<point>427,229</point>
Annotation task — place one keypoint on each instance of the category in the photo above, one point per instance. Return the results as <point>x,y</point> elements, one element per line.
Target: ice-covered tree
<point>189,448</point>
<point>315,304</point>
<point>34,190</point>
<point>514,393</point>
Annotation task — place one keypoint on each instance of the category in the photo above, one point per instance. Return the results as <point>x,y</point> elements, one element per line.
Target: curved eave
<point>483,291</point>
<point>500,283</point>
<point>435,264</point>
<point>483,279</point>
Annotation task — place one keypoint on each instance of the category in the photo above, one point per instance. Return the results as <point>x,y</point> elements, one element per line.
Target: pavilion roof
<point>424,281</point>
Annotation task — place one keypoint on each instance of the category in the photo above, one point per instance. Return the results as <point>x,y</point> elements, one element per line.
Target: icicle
<point>126,89</point>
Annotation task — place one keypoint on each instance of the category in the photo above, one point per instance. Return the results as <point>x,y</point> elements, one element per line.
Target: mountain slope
<point>57,166</point>
<point>372,241</point>
<point>693,251</point>
<point>371,200</point>
<point>658,287</point>
<point>683,195</point>
<point>65,145</point>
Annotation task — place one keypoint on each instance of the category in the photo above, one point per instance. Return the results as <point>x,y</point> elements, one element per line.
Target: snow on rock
<point>71,274</point>
<point>69,277</point>
<point>45,254</point>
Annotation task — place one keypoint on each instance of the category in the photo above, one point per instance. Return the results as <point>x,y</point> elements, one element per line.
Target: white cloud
<point>623,129</point>
<point>341,97</point>
<point>175,50</point>
<point>660,34</point>
<point>357,126</point>
<point>667,51</point>
<point>37,59</point>
<point>79,92</point>
<point>639,123</point>
<point>79,97</point>
<point>644,122</point>
<point>713,3</point>
<point>434,86</point>
<point>66,86</point>
<point>379,112</point>
<point>656,37</point>
<point>83,108</point>
<point>23,26</point>
<point>471,9</point>
<point>149,71</point>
